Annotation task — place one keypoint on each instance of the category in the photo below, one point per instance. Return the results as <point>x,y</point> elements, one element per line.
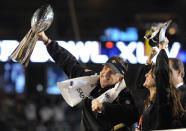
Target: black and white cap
<point>117,66</point>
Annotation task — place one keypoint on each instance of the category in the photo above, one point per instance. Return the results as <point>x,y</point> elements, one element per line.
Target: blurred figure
<point>31,115</point>
<point>58,111</point>
<point>177,68</point>
<point>41,127</point>
<point>19,116</point>
<point>46,113</point>
<point>30,112</point>
<point>178,72</point>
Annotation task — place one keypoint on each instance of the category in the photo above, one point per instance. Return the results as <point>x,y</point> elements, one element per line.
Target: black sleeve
<point>141,76</point>
<point>184,101</point>
<point>183,96</point>
<point>141,93</point>
<point>123,111</point>
<point>184,119</point>
<point>65,60</point>
<point>162,78</point>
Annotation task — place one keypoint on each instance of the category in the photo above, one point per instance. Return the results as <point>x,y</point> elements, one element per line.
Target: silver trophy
<point>41,21</point>
<point>157,33</point>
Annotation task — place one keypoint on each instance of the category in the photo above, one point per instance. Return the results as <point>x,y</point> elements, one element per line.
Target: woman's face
<point>150,80</point>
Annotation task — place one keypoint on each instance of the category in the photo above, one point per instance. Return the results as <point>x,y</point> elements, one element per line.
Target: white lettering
<point>127,51</point>
<point>86,51</point>
<point>95,50</point>
<point>174,50</point>
<point>7,47</point>
<point>40,53</point>
<point>140,53</point>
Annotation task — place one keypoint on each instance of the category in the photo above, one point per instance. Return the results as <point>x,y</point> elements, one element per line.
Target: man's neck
<point>178,82</point>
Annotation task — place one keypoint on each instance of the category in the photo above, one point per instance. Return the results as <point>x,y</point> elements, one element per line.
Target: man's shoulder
<point>183,90</point>
<point>125,92</point>
<point>183,87</point>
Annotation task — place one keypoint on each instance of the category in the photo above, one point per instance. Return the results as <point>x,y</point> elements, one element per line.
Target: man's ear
<point>179,72</point>
<point>121,78</point>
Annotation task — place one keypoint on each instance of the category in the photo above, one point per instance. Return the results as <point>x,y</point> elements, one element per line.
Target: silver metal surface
<point>41,21</point>
<point>158,28</point>
<point>43,18</point>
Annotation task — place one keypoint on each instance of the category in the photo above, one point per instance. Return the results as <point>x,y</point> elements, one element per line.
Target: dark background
<point>91,16</point>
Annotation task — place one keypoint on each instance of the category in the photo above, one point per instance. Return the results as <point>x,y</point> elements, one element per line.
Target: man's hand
<point>97,106</point>
<point>164,44</point>
<point>150,57</point>
<point>42,36</point>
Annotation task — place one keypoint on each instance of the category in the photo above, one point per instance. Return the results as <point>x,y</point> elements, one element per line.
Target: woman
<point>162,109</point>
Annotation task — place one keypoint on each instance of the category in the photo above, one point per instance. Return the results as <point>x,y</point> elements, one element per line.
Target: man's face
<point>108,76</point>
<point>150,80</point>
<point>175,73</point>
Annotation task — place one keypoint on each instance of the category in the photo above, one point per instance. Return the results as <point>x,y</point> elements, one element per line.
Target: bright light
<point>174,50</point>
<point>140,53</point>
<point>83,51</point>
<point>182,56</point>
<point>96,57</point>
<point>87,51</point>
<point>109,44</point>
<point>127,51</point>
<point>40,53</point>
<point>7,47</point>
<point>115,34</point>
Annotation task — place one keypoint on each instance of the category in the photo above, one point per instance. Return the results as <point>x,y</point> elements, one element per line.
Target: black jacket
<point>122,110</point>
<point>182,90</point>
<point>159,114</point>
<point>183,102</point>
<point>184,120</point>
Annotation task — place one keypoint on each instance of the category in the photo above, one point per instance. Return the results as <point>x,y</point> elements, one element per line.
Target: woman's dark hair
<point>175,95</point>
<point>147,101</point>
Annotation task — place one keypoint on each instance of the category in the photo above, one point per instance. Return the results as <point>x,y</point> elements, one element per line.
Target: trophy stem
<point>23,52</point>
<point>26,61</point>
<point>24,49</point>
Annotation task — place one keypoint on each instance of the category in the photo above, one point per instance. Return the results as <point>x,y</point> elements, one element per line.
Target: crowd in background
<point>48,113</point>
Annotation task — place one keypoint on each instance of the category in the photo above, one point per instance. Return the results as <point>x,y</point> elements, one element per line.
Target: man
<point>98,116</point>
<point>177,68</point>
